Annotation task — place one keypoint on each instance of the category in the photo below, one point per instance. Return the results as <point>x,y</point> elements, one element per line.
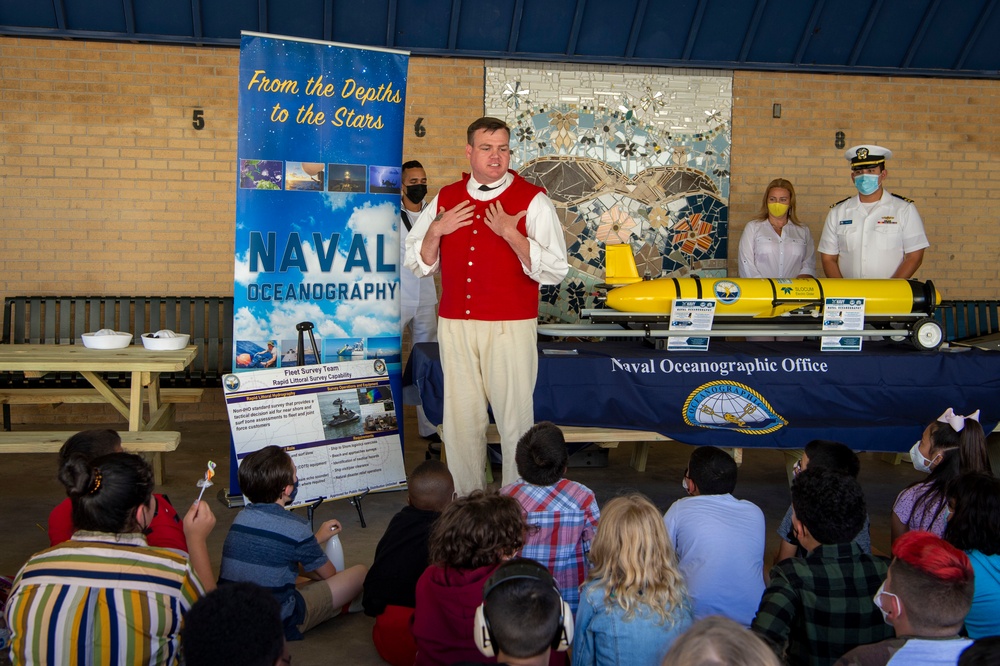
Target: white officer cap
<point>866,155</point>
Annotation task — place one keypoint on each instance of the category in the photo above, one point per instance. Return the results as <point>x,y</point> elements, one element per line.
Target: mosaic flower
<point>564,121</point>
<point>576,294</point>
<point>617,226</point>
<point>588,139</point>
<point>512,94</point>
<point>589,250</point>
<point>549,293</point>
<point>626,149</point>
<point>564,141</point>
<point>692,235</point>
<point>659,217</point>
<point>525,133</point>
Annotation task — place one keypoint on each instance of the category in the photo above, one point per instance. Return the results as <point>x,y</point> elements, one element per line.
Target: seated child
<point>267,545</point>
<point>522,618</point>
<point>822,454</point>
<point>634,604</point>
<point>239,623</point>
<point>166,529</point>
<point>561,514</point>
<point>400,559</point>
<point>473,536</point>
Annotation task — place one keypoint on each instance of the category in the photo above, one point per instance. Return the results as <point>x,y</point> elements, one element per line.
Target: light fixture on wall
<point>776,111</point>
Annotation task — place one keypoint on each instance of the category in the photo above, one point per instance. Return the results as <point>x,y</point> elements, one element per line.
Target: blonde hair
<point>718,641</point>
<point>633,561</point>
<point>785,185</point>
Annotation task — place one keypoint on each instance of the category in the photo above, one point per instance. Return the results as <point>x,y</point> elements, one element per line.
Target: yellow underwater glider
<point>641,307</point>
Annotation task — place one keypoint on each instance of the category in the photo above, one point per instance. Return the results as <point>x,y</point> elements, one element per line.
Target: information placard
<point>843,314</point>
<point>691,315</point>
<point>337,421</point>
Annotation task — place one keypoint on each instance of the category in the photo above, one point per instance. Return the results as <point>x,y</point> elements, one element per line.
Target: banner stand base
<point>231,501</point>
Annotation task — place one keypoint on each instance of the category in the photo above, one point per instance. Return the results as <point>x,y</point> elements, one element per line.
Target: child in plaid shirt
<point>561,514</point>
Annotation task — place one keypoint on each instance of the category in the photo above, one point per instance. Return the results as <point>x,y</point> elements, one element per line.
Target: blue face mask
<point>867,183</point>
<point>295,491</point>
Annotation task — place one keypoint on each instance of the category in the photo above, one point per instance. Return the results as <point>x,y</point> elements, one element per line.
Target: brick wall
<point>107,188</point>
<point>945,138</point>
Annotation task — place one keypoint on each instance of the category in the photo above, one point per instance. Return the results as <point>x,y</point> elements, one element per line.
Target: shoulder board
<point>903,198</point>
<point>839,202</point>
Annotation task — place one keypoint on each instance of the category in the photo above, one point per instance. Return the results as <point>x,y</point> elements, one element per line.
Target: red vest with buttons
<point>481,277</point>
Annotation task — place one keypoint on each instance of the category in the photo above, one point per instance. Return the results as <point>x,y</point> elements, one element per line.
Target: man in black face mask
<point>418,295</point>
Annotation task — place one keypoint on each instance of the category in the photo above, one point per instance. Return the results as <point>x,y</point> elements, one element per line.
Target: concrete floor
<point>30,490</point>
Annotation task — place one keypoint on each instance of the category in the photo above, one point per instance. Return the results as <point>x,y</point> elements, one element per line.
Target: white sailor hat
<point>866,155</point>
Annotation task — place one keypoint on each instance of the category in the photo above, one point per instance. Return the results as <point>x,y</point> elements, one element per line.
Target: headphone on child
<point>521,568</point>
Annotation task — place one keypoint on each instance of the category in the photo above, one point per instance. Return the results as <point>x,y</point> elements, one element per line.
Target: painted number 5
<point>198,119</point>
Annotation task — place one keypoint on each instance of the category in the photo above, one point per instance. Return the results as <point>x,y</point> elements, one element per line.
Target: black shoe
<point>433,438</point>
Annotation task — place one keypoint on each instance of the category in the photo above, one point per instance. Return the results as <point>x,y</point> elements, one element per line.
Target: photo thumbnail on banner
<point>337,421</point>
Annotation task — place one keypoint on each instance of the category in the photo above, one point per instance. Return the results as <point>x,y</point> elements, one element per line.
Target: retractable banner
<point>316,279</point>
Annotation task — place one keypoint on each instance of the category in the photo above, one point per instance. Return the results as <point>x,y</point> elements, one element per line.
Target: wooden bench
<point>63,319</point>
<point>605,437</point>
<point>50,441</point>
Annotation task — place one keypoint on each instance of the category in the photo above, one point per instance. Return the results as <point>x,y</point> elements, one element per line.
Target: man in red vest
<point>495,237</point>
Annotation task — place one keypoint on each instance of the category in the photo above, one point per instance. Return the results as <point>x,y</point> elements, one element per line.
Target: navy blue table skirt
<point>750,394</point>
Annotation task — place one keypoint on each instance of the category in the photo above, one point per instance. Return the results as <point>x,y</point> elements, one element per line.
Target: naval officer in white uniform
<point>875,234</point>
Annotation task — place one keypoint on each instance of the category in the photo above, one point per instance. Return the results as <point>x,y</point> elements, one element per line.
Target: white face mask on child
<point>920,463</point>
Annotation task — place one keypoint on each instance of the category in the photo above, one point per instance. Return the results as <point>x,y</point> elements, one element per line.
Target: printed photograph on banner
<point>347,178</point>
<point>385,179</point>
<point>290,357</point>
<point>344,349</point>
<point>261,174</point>
<point>304,176</point>
<point>386,348</point>
<point>337,421</point>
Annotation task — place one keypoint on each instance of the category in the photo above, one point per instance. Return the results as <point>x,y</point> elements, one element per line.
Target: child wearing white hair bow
<point>950,446</point>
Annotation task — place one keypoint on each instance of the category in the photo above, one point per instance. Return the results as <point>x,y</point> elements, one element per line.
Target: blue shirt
<point>984,616</point>
<point>265,546</point>
<point>603,637</point>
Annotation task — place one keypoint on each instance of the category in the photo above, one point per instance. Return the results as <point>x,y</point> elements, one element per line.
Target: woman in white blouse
<point>775,244</point>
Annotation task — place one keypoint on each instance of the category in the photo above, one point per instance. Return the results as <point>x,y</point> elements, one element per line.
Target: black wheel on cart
<point>926,334</point>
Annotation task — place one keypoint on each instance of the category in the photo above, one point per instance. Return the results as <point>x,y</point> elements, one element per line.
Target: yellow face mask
<point>777,209</point>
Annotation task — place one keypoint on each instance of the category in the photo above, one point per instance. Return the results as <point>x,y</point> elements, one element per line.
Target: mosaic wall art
<point>634,155</point>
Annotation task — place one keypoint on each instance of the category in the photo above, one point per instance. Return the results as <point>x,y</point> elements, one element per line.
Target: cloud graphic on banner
<point>247,326</point>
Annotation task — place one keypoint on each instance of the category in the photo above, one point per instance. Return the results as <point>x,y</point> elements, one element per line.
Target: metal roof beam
<point>862,39</point>
<point>390,25</point>
<point>633,35</point>
<point>918,37</point>
<point>515,25</point>
<point>129,11</point>
<point>807,33</point>
<point>456,6</point>
<point>984,17</point>
<point>197,29</point>
<point>699,13</point>
<point>60,9</point>
<point>758,12</point>
<point>328,20</point>
<point>574,32</point>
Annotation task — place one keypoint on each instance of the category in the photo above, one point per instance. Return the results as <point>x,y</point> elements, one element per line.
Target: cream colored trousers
<point>486,363</point>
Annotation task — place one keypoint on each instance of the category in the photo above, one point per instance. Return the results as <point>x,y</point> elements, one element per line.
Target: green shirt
<point>820,606</point>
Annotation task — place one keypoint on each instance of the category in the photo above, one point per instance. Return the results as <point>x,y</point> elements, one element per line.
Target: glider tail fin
<point>619,265</point>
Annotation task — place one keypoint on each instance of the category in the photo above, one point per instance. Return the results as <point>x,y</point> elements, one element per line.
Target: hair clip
<point>98,477</point>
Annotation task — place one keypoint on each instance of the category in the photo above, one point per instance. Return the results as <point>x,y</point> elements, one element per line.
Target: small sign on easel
<point>843,314</point>
<point>690,315</point>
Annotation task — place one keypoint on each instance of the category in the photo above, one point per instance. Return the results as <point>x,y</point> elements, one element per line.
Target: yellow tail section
<point>619,265</point>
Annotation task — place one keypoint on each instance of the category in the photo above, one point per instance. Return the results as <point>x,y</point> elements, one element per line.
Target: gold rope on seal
<point>98,477</point>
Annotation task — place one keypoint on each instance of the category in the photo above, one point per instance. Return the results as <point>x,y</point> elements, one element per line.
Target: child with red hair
<point>926,596</point>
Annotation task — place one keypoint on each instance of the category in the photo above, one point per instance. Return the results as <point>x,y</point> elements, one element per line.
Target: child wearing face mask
<point>271,546</point>
<point>950,446</point>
